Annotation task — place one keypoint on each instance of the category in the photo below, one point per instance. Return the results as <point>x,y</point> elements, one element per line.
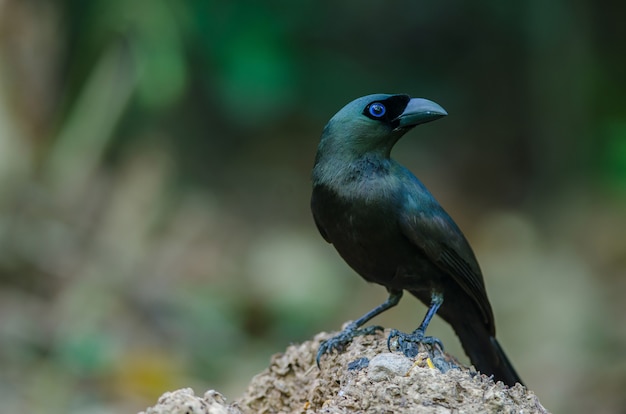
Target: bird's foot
<point>408,344</point>
<point>342,339</point>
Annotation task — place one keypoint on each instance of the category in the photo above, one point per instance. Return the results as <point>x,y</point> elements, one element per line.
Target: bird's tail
<point>487,355</point>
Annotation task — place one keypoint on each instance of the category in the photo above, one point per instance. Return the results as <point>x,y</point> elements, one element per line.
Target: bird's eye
<point>377,110</point>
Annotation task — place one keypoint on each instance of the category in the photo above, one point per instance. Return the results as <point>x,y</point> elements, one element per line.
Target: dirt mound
<point>364,378</point>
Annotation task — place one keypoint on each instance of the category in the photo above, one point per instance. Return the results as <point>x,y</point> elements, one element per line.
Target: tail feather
<point>505,371</point>
<point>487,355</point>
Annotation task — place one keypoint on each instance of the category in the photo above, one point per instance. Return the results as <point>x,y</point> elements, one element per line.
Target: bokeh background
<point>154,185</point>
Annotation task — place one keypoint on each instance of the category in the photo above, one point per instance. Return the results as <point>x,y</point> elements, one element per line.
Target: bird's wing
<point>321,229</point>
<point>435,234</point>
<point>317,222</point>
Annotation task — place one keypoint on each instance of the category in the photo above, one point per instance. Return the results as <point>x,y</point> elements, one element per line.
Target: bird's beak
<point>420,111</point>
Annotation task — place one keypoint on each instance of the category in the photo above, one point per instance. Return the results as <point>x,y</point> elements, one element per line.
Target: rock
<point>387,365</point>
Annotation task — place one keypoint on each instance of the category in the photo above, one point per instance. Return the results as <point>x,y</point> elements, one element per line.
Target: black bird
<point>390,229</point>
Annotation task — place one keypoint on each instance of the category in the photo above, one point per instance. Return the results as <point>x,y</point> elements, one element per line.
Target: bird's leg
<point>409,343</point>
<point>339,341</point>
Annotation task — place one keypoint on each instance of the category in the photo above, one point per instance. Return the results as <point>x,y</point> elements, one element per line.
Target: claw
<point>343,338</point>
<point>409,343</point>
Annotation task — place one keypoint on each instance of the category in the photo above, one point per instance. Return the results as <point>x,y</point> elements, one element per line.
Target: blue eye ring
<point>377,110</point>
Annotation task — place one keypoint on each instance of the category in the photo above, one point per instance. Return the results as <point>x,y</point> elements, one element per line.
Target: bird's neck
<point>340,171</point>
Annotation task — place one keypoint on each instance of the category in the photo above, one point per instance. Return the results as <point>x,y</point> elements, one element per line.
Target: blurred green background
<point>155,156</point>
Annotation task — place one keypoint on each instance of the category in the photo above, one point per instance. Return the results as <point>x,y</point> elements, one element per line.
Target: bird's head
<point>374,123</point>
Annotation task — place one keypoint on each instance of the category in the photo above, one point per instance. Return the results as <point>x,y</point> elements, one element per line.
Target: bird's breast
<point>364,229</point>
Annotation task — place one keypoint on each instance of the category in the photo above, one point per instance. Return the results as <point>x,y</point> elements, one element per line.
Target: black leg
<point>408,343</point>
<point>344,337</point>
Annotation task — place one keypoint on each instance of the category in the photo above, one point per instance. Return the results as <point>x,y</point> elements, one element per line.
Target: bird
<point>389,228</point>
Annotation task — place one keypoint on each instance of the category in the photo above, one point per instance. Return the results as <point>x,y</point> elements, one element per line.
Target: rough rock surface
<point>363,378</point>
<point>184,401</point>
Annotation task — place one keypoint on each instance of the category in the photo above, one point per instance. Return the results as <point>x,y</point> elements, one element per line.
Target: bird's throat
<point>366,178</point>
